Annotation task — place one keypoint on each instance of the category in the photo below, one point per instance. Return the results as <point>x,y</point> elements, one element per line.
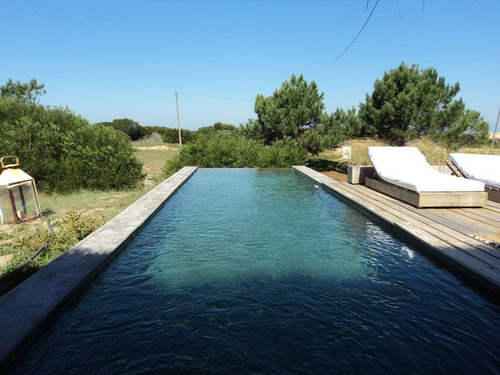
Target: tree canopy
<point>293,108</point>
<point>29,92</point>
<point>408,103</point>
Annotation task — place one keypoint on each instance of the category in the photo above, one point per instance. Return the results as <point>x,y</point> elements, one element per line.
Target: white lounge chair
<point>485,168</point>
<point>405,174</point>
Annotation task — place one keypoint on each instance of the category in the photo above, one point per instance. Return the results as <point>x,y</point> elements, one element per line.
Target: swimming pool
<point>260,271</point>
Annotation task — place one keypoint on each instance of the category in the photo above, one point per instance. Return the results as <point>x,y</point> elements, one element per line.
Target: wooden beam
<point>430,199</point>
<point>493,194</point>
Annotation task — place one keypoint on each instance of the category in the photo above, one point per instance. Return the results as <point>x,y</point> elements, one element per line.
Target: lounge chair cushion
<point>484,168</point>
<point>408,168</point>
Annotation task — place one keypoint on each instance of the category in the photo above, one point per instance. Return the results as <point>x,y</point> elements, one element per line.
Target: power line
<point>399,12</point>
<point>356,37</point>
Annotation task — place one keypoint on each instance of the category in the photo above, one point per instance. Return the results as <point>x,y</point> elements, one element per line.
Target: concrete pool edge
<point>29,307</point>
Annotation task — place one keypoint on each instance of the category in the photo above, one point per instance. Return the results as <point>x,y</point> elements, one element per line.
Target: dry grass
<point>481,150</point>
<point>152,145</point>
<point>154,160</point>
<point>359,150</point>
<point>433,152</point>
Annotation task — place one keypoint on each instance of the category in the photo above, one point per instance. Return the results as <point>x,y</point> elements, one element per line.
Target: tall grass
<point>154,160</point>
<point>433,152</point>
<point>481,150</point>
<point>359,151</point>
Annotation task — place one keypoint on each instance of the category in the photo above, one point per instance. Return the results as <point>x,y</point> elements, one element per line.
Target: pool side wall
<point>29,307</point>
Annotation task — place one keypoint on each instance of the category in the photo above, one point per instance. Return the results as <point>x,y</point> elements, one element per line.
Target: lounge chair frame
<point>429,199</point>
<point>493,192</point>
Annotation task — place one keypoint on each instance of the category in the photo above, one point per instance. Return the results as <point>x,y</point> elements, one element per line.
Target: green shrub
<point>171,135</point>
<point>222,150</point>
<point>127,126</point>
<point>62,152</point>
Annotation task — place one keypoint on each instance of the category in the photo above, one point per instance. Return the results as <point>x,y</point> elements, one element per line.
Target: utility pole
<point>495,131</point>
<point>178,121</point>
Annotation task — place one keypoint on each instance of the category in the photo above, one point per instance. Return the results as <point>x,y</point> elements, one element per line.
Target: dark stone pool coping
<point>29,307</point>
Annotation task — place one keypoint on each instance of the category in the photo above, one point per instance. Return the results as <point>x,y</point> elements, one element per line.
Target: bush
<point>221,150</point>
<point>171,135</point>
<point>127,126</point>
<point>218,127</point>
<point>62,152</point>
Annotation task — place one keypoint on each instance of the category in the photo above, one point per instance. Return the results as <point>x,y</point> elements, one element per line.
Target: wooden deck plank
<point>473,225</point>
<point>485,213</point>
<point>478,219</point>
<point>492,208</point>
<point>445,232</point>
<point>460,241</point>
<point>493,204</point>
<point>429,214</point>
<point>490,269</point>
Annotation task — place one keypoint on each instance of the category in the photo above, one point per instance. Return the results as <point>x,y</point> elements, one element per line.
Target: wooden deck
<point>449,233</point>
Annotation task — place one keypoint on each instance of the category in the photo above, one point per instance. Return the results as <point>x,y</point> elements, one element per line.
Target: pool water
<point>261,271</point>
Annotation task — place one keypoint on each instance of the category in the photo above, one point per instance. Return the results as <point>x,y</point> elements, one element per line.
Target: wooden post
<point>495,131</point>
<point>178,121</point>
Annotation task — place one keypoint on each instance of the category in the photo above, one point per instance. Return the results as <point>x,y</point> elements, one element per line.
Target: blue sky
<point>113,59</point>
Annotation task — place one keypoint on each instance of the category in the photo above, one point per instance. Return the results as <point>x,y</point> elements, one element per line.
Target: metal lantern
<point>18,195</point>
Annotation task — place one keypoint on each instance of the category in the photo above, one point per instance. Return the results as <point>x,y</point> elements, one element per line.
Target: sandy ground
<point>493,238</point>
<point>336,175</point>
<point>154,148</point>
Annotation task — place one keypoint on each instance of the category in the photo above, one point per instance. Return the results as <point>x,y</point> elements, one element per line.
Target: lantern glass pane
<point>25,201</point>
<point>6,215</point>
